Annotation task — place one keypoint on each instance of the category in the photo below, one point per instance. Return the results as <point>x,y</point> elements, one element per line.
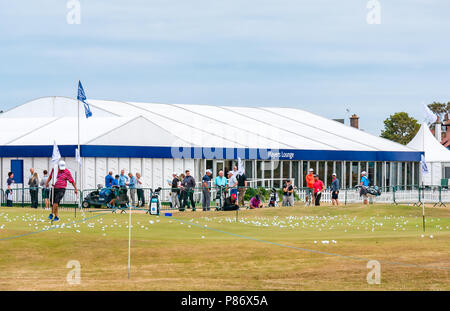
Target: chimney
<point>438,129</point>
<point>354,121</point>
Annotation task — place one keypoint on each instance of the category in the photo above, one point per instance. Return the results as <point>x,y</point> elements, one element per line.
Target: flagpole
<point>423,184</point>
<point>79,152</point>
<point>129,242</point>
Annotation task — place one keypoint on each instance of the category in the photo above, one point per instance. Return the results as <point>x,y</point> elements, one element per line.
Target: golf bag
<point>371,190</point>
<point>155,203</point>
<point>273,200</point>
<point>374,190</point>
<point>220,197</point>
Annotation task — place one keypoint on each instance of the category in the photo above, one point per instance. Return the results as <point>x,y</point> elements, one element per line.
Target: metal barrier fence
<point>412,194</point>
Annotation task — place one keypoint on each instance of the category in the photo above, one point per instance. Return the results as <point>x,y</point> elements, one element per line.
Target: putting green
<point>295,248</point>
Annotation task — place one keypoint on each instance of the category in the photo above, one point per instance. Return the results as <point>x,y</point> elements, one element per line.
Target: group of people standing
<point>315,188</point>
<point>34,184</point>
<point>230,191</point>
<point>126,182</point>
<point>182,191</point>
<point>51,197</point>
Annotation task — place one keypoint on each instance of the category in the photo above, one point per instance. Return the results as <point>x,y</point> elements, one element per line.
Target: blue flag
<point>82,97</point>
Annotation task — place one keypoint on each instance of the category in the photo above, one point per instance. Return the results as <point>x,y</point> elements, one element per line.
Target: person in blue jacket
<point>364,185</point>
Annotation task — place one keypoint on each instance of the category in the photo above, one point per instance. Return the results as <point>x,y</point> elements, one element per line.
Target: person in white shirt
<point>232,183</point>
<point>140,191</point>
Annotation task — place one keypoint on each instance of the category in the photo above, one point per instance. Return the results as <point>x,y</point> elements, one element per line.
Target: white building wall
<point>101,170</point>
<point>168,171</point>
<point>158,174</point>
<point>178,166</point>
<point>135,165</point>
<point>113,165</point>
<point>89,173</point>
<point>124,164</point>
<point>147,172</point>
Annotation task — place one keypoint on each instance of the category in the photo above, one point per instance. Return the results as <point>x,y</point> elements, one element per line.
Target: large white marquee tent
<point>437,156</point>
<point>158,139</point>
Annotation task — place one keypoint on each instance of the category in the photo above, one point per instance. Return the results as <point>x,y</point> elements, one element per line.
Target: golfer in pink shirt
<point>59,188</point>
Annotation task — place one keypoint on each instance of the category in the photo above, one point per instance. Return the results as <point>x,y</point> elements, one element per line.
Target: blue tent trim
<point>209,153</point>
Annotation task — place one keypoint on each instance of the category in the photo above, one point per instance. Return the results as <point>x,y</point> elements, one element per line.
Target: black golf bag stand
<point>220,198</point>
<point>273,201</point>
<point>154,206</point>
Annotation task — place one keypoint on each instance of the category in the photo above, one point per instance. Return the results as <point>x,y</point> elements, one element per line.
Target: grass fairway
<point>202,251</point>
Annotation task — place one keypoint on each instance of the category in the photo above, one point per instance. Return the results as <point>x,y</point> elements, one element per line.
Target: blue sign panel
<point>17,169</point>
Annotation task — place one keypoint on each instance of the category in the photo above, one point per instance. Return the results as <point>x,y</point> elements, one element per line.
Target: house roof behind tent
<point>425,141</point>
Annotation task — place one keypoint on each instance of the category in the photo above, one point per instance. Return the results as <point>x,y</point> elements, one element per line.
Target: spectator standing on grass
<point>140,191</point>
<point>33,184</point>
<point>109,179</point>
<point>189,186</point>
<point>31,189</point>
<point>45,190</point>
<point>181,191</point>
<point>232,183</point>
<point>175,191</point>
<point>319,187</point>
<point>335,187</point>
<point>309,187</point>
<point>114,192</point>
<point>206,190</point>
<point>220,182</point>
<point>364,185</point>
<point>123,179</point>
<point>133,188</point>
<point>242,187</point>
<point>288,193</point>
<point>9,191</point>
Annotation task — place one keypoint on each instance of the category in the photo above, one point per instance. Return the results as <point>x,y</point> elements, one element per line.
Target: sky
<point>318,55</point>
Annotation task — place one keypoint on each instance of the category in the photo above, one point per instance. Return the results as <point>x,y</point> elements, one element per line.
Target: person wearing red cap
<point>231,203</point>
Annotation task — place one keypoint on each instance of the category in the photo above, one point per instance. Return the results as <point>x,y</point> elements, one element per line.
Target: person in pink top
<point>255,202</point>
<point>318,188</point>
<point>59,188</point>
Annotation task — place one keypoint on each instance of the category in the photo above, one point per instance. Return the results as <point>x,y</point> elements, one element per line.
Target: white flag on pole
<point>429,116</point>
<point>77,156</point>
<point>424,165</point>
<point>241,168</point>
<point>56,156</point>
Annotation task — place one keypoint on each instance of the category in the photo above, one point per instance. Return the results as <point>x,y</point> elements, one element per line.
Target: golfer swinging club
<point>59,188</point>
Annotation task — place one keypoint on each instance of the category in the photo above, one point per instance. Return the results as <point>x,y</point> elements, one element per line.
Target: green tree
<point>439,108</point>
<point>400,127</point>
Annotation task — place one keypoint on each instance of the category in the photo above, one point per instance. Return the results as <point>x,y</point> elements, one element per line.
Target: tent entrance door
<point>220,165</point>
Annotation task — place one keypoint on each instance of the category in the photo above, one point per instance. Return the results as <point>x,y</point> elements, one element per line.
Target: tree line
<point>402,128</point>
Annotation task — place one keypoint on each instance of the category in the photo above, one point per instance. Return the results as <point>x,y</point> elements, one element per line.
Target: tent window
<point>249,169</point>
<point>409,168</point>
<point>355,174</point>
<point>295,173</point>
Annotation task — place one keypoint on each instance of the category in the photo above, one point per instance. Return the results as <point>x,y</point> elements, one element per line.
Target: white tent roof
<point>426,142</point>
<point>194,125</point>
<point>101,131</point>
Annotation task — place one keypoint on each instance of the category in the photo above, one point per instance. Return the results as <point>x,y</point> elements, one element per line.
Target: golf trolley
<point>97,198</point>
<point>220,198</point>
<point>154,206</point>
<point>273,200</point>
<point>122,199</point>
